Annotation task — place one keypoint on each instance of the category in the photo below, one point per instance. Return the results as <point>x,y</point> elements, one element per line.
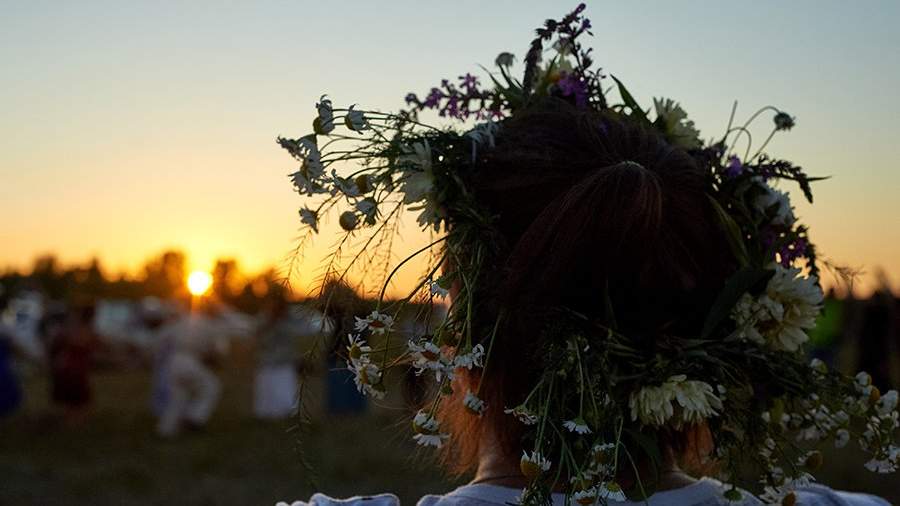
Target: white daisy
<point>483,134</point>
<point>424,422</point>
<point>611,491</point>
<point>417,180</point>
<point>780,317</point>
<point>324,124</point>
<point>437,290</point>
<point>368,208</point>
<point>426,428</point>
<point>309,217</point>
<point>881,466</point>
<point>777,200</point>
<point>357,349</point>
<point>886,403</point>
<point>377,323</point>
<point>577,425</point>
<point>585,497</point>
<point>343,185</point>
<point>307,152</point>
<point>863,379</point>
<point>425,356</point>
<point>470,359</point>
<point>697,400</point>
<point>679,129</point>
<point>356,120</point>
<point>430,216</point>
<point>818,366</point>
<point>306,185</point>
<point>654,405</point>
<point>604,448</point>
<point>367,377</point>
<point>522,414</point>
<point>429,356</point>
<point>533,465</point>
<point>473,403</point>
<point>435,440</point>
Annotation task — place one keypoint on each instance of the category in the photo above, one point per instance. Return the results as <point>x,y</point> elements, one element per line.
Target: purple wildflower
<point>469,83</point>
<point>433,98</point>
<point>573,85</point>
<point>734,167</point>
<point>787,252</point>
<point>411,98</point>
<point>452,108</point>
<point>793,251</point>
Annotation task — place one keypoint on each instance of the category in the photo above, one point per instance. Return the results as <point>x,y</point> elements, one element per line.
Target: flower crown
<point>584,421</point>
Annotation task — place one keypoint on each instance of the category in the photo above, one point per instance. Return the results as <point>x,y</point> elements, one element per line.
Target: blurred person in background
<point>159,349</point>
<point>10,390</point>
<point>275,388</point>
<point>197,345</point>
<point>339,303</point>
<point>71,349</point>
<point>878,333</point>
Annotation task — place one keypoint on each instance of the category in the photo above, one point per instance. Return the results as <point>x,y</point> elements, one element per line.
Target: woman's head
<point>595,215</point>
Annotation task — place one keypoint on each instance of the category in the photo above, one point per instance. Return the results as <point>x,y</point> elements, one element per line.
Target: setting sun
<point>199,282</point>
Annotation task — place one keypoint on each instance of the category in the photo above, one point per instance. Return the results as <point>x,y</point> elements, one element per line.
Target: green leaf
<point>648,444</point>
<point>737,285</point>
<point>512,94</point>
<point>629,100</point>
<point>732,232</point>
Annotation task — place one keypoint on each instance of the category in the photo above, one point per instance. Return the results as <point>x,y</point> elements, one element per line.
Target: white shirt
<point>704,492</point>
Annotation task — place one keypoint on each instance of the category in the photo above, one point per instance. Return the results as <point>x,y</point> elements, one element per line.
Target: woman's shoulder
<point>815,495</point>
<point>367,500</point>
<point>705,492</point>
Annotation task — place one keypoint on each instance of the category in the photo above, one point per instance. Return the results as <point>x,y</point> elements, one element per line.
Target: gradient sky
<point>129,127</point>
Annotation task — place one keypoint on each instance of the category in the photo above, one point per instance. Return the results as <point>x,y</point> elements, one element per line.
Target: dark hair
<point>594,214</point>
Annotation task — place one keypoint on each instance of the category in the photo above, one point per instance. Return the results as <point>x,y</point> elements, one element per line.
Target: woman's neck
<point>495,468</point>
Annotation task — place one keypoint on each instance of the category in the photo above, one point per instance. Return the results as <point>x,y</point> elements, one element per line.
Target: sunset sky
<point>130,127</point>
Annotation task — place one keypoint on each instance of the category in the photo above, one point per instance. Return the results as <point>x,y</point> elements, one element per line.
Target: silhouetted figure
<point>71,352</point>
<point>876,335</point>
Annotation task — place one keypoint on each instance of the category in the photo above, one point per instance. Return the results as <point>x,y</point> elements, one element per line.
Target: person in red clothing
<point>71,351</point>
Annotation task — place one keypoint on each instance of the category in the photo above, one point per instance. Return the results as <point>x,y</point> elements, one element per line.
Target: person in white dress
<point>275,387</point>
<point>197,342</point>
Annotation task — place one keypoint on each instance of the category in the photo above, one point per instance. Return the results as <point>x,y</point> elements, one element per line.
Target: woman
<point>627,307</point>
<point>71,354</point>
<point>275,387</point>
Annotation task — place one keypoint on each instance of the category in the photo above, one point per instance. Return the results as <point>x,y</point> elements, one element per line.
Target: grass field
<point>115,459</point>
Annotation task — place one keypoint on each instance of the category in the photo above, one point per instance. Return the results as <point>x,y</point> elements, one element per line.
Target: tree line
<point>163,276</point>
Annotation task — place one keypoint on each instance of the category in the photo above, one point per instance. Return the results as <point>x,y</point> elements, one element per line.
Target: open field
<point>115,459</point>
